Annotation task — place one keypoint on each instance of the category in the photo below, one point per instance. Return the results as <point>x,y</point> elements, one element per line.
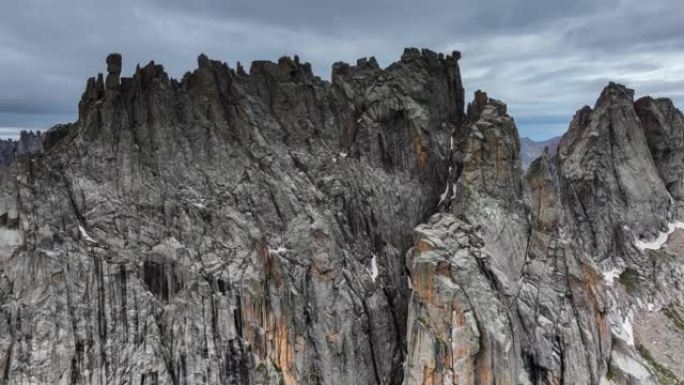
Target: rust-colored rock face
<point>491,151</point>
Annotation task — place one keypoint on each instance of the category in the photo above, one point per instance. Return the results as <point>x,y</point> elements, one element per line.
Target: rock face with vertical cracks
<point>270,227</point>
<point>543,278</point>
<point>664,128</point>
<point>231,227</point>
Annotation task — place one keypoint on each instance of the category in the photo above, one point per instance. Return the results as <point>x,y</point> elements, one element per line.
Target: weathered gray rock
<point>612,181</point>
<point>664,128</point>
<point>227,228</point>
<point>268,227</point>
<point>491,150</point>
<point>512,293</point>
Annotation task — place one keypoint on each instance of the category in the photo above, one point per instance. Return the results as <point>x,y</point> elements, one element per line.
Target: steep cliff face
<point>227,228</point>
<point>550,291</point>
<point>664,128</point>
<point>606,162</point>
<point>523,306</point>
<point>269,227</point>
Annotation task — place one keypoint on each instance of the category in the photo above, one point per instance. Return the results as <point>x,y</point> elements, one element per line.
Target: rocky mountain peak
<point>251,185</point>
<point>492,149</point>
<point>615,94</point>
<point>663,126</point>
<point>613,134</point>
<point>114,63</point>
<point>476,107</point>
<point>269,227</point>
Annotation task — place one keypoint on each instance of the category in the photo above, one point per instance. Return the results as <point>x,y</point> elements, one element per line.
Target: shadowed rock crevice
<point>162,277</point>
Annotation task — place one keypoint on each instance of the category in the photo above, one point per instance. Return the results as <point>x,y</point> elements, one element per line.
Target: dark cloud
<point>544,58</point>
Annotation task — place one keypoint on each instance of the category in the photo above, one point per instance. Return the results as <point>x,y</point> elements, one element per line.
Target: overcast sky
<point>544,58</point>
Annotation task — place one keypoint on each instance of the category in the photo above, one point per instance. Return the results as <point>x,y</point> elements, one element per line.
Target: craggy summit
<point>270,227</point>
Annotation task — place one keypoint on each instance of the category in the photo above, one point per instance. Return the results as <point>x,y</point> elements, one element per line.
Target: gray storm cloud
<point>544,58</point>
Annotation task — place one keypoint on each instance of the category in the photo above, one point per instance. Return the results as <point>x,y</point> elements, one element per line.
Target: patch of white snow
<point>610,275</point>
<point>624,330</point>
<point>660,239</point>
<point>279,251</point>
<point>374,272</point>
<point>628,331</point>
<point>444,195</point>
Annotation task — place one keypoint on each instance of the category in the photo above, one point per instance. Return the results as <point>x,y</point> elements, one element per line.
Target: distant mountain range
<point>28,143</point>
<point>531,150</point>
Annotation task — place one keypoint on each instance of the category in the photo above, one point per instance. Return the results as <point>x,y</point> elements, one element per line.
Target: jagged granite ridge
<point>269,227</point>
<point>506,292</point>
<point>235,228</point>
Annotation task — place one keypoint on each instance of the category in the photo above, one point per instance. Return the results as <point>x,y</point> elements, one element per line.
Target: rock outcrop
<point>550,291</point>
<point>29,143</point>
<point>664,128</point>
<point>606,162</point>
<point>229,227</point>
<point>270,227</point>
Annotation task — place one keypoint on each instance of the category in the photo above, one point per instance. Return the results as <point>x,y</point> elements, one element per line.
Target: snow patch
<point>628,331</point>
<point>660,239</point>
<point>610,275</point>
<point>374,272</point>
<point>85,235</point>
<point>444,195</point>
<point>279,251</point>
<point>624,330</point>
